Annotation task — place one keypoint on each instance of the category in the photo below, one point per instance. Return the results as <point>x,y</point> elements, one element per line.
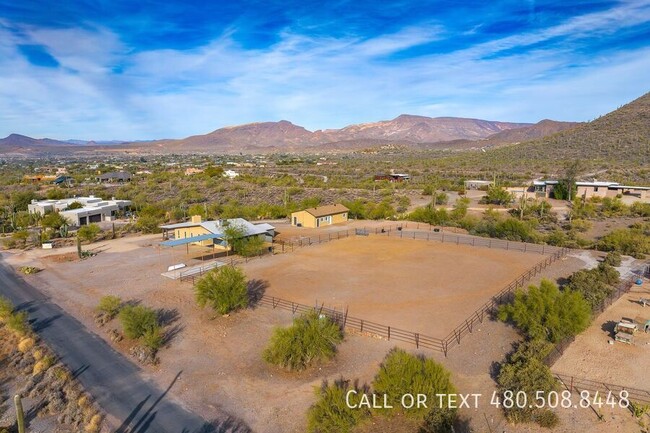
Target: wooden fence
<point>362,326</point>
<point>577,384</point>
<point>504,296</point>
<point>428,232</point>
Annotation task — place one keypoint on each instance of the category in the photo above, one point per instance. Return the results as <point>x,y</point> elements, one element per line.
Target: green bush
<point>633,241</point>
<point>110,306</point>
<point>546,312</point>
<point>88,232</point>
<point>137,320</point>
<point>497,195</point>
<point>251,246</point>
<point>53,220</point>
<point>311,338</point>
<point>402,373</point>
<point>17,322</point>
<point>524,370</point>
<point>546,419</point>
<point>224,289</point>
<point>6,308</point>
<point>595,285</point>
<point>439,420</point>
<point>613,258</point>
<point>153,338</point>
<point>331,413</point>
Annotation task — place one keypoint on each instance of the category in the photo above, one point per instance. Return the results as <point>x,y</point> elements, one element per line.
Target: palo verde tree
<point>223,289</point>
<point>547,313</point>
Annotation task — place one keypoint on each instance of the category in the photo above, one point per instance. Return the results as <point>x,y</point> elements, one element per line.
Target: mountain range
<point>284,136</point>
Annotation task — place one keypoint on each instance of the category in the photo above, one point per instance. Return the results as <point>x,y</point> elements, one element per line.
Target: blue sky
<point>116,69</point>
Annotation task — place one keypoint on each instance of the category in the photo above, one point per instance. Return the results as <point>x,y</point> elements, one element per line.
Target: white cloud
<point>314,82</point>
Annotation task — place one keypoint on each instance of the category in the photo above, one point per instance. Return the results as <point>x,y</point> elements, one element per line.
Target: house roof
<point>191,239</point>
<point>331,209</point>
<point>217,227</point>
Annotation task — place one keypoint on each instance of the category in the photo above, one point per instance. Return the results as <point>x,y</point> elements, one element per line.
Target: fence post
<point>417,340</point>
<point>389,333</point>
<point>361,326</point>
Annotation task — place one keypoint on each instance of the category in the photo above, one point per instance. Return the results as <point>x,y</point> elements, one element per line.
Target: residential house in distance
<point>544,188</point>
<point>612,189</point>
<point>588,190</point>
<point>211,233</point>
<point>114,177</point>
<point>93,209</point>
<point>320,216</point>
<point>393,177</point>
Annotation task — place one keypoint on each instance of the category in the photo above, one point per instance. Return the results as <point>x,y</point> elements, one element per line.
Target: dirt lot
<point>420,286</point>
<point>592,357</point>
<point>220,357</point>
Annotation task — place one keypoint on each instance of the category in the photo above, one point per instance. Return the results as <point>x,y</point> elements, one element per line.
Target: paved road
<point>112,379</point>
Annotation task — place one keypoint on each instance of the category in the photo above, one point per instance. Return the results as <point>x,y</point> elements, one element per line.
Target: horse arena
<point>421,286</point>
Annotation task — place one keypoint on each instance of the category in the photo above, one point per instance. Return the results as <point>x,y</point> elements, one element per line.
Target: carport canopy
<point>191,239</point>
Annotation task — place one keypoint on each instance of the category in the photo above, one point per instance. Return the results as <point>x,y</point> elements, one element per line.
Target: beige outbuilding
<point>320,216</point>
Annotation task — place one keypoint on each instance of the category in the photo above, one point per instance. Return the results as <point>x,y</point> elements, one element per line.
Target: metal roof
<point>191,239</point>
<point>327,210</point>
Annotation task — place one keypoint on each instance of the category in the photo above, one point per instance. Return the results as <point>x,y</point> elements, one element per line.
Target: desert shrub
<point>640,209</point>
<point>311,338</point>
<point>94,425</point>
<point>74,205</point>
<point>401,373</point>
<point>524,370</point>
<point>6,308</point>
<point>439,420</point>
<point>497,195</point>
<point>430,215</point>
<point>580,225</point>
<point>546,418</point>
<point>639,409</point>
<point>546,312</point>
<point>138,320</point>
<point>224,289</point>
<point>43,365</point>
<point>153,338</point>
<point>633,241</point>
<point>53,220</point>
<point>109,305</point>
<point>17,322</point>
<point>331,412</point>
<point>594,284</point>
<point>26,344</point>
<point>149,223</point>
<point>508,228</point>
<point>29,270</point>
<point>88,232</point>
<point>613,258</point>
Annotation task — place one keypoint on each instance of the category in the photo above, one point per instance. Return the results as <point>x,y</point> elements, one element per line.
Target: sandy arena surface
<point>416,285</point>
<point>221,357</point>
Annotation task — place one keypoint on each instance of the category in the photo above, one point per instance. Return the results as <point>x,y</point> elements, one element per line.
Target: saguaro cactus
<point>20,415</point>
